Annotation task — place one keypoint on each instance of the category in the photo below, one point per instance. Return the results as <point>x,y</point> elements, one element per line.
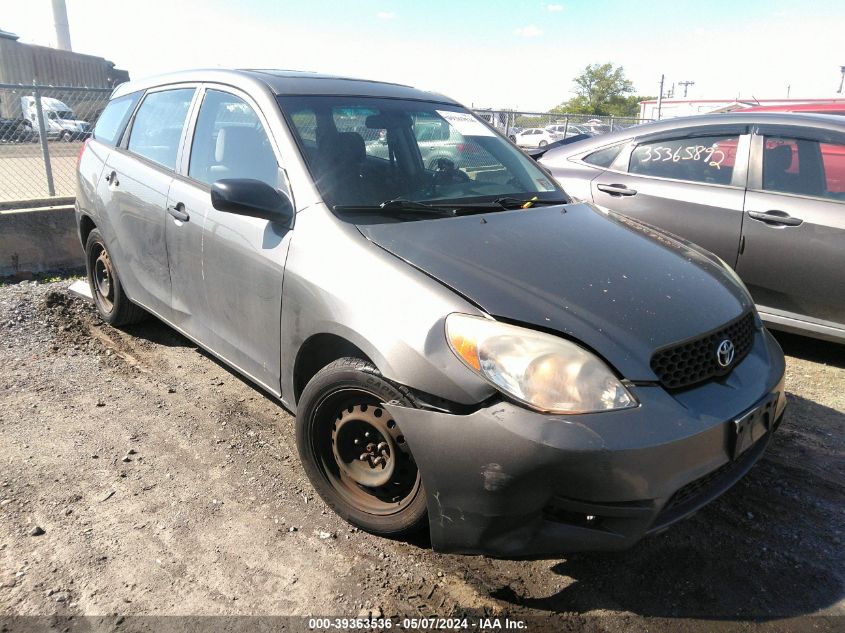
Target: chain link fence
<point>41,132</point>
<point>555,126</point>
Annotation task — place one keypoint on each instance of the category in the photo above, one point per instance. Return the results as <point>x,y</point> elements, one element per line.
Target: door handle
<point>617,190</point>
<point>778,218</point>
<point>179,212</point>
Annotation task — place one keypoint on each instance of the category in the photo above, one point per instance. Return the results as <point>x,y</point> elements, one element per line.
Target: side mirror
<point>253,198</point>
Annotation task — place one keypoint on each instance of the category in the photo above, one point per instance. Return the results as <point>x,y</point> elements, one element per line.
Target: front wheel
<point>353,450</point>
<point>543,143</point>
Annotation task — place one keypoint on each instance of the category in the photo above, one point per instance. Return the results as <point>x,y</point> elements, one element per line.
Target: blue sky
<point>520,54</point>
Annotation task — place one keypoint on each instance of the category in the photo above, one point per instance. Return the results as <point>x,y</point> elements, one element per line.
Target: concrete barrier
<point>37,240</point>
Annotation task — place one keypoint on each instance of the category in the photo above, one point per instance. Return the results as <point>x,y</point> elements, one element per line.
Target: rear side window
<point>113,119</point>
<point>705,159</point>
<point>804,167</point>
<point>158,125</point>
<point>603,157</point>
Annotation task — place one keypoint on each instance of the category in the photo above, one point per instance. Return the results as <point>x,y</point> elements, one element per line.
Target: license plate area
<point>750,428</point>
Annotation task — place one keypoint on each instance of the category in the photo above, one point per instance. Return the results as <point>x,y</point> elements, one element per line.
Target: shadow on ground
<point>811,349</point>
<point>769,548</point>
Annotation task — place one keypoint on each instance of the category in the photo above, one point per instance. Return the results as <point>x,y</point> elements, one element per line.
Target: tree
<point>602,89</point>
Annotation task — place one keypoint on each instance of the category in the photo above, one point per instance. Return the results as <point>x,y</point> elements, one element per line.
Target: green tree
<point>602,89</point>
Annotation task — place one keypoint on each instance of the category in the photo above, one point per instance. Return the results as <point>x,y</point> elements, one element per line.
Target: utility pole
<point>660,97</point>
<point>841,79</point>
<point>686,85</point>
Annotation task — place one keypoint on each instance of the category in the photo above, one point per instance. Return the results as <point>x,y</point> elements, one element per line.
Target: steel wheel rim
<point>104,279</point>
<point>345,416</point>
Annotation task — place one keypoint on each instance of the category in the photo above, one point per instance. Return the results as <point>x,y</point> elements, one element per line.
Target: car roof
<point>799,119</point>
<point>285,82</point>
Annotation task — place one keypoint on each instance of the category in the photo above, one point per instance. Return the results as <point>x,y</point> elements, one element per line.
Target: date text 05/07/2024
<point>416,624</point>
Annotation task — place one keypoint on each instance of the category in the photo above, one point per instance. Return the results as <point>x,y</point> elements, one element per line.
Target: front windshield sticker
<point>465,123</point>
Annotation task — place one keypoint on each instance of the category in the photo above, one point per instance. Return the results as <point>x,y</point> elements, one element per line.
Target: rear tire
<point>543,143</point>
<point>342,433</point>
<point>111,301</point>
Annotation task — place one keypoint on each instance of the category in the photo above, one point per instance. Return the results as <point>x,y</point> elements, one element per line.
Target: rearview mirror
<point>253,198</point>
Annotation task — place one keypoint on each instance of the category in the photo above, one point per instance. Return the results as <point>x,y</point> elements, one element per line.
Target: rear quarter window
<point>604,157</point>
<point>112,121</point>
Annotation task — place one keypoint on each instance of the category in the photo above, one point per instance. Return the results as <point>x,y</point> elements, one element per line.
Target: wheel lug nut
<point>382,446</point>
<point>363,457</point>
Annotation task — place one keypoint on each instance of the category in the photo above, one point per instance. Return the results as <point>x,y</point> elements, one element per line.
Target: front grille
<point>691,362</point>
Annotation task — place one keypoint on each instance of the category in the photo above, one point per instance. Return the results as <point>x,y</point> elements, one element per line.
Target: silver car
<point>763,191</point>
<point>464,348</point>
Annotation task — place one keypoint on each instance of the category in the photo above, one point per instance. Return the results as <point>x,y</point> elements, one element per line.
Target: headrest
<point>351,146</point>
<point>234,140</point>
<point>778,158</point>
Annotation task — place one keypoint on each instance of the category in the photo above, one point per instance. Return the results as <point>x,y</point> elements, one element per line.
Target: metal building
<point>29,63</point>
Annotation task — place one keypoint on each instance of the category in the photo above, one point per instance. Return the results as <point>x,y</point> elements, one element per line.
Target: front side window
<point>230,142</point>
<point>366,150</point>
<point>113,119</point>
<point>705,159</point>
<point>158,125</point>
<point>804,167</point>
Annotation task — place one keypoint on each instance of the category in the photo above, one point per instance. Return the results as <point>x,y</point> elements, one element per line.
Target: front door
<point>794,231</point>
<point>692,186</point>
<point>227,269</point>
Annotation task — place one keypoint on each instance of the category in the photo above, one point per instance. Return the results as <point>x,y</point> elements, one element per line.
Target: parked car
<point>562,130</point>
<point>463,349</point>
<point>764,191</point>
<point>437,141</point>
<point>535,137</point>
<point>13,131</point>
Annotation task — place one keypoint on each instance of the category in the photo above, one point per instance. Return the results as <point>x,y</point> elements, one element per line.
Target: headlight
<point>542,371</point>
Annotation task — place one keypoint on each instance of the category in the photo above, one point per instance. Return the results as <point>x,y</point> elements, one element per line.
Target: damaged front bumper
<point>507,481</point>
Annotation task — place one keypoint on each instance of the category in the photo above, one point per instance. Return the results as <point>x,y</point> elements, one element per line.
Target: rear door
<point>137,176</point>
<point>227,269</point>
<point>794,232</point>
<point>691,184</point>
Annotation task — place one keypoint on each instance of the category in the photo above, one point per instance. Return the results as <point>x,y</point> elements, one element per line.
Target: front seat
<point>776,161</point>
<point>340,160</point>
<point>243,152</point>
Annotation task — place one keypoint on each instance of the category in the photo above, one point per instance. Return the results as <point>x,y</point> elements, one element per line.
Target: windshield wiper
<point>399,204</point>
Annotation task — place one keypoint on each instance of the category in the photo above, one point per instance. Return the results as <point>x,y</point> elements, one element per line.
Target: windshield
<point>365,151</point>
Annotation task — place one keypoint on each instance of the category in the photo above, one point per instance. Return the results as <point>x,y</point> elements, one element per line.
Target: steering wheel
<point>445,173</point>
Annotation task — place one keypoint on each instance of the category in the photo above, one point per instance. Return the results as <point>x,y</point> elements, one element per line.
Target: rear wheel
<point>354,451</point>
<point>111,301</point>
<point>543,143</point>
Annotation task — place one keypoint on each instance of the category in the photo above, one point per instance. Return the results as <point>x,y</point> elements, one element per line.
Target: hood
<point>617,286</point>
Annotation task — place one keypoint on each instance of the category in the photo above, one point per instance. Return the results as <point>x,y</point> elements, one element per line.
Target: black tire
<point>543,143</point>
<point>338,404</point>
<point>111,301</point>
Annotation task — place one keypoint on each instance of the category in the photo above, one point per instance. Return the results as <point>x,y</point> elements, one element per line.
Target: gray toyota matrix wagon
<point>462,345</point>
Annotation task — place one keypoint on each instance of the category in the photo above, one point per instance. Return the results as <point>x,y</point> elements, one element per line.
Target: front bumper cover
<point>507,481</point>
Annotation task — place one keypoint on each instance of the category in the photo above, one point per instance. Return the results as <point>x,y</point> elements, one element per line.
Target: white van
<point>59,120</point>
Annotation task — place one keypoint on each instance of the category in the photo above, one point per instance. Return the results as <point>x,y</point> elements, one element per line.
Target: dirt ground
<point>166,485</point>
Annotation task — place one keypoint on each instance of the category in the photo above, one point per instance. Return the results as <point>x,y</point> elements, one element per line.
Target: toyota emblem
<point>725,353</point>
